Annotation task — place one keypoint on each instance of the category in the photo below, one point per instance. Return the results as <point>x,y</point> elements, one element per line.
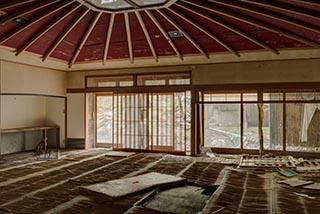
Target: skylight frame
<point>91,5</point>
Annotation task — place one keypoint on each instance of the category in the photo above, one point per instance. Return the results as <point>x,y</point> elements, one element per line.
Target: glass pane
<point>126,83</point>
<point>250,126</point>
<point>107,84</point>
<point>302,127</point>
<point>155,82</point>
<point>104,119</point>
<point>111,4</point>
<point>273,126</point>
<point>110,81</point>
<point>222,125</point>
<point>222,97</point>
<point>272,96</point>
<point>250,97</point>
<point>164,79</point>
<point>179,82</point>
<point>304,96</point>
<point>149,2</point>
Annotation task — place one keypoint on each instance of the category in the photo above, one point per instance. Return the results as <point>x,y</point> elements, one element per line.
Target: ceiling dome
<point>92,31</point>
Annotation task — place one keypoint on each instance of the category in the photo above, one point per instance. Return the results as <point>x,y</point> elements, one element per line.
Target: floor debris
<point>314,186</point>
<point>182,200</point>
<point>267,161</point>
<point>119,188</point>
<point>295,182</point>
<point>119,154</point>
<point>287,172</point>
<point>304,195</point>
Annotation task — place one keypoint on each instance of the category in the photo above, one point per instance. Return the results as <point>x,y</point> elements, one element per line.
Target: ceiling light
<point>20,20</point>
<point>175,33</point>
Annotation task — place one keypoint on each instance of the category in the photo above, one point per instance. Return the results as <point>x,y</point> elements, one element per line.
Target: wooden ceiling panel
<point>19,39</point>
<point>140,44</point>
<point>70,44</point>
<point>43,43</point>
<point>160,43</point>
<point>183,45</point>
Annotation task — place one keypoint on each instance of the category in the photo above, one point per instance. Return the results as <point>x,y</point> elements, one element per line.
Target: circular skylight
<point>125,4</point>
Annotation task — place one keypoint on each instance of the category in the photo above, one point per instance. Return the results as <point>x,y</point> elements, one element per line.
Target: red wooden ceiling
<point>69,31</point>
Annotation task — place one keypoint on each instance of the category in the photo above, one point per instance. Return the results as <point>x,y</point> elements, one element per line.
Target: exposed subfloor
<point>52,186</point>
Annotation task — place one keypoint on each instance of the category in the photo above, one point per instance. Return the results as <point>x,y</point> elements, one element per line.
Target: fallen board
<point>295,182</point>
<point>120,188</point>
<point>119,154</point>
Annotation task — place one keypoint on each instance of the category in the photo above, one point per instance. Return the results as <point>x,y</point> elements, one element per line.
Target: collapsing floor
<point>54,186</point>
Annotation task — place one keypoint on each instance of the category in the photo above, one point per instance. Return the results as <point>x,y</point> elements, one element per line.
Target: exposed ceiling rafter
<point>14,4</point>
<point>311,2</point>
<point>205,31</point>
<point>47,28</point>
<point>65,33</point>
<point>108,37</point>
<point>270,14</point>
<point>216,9</point>
<point>85,37</point>
<point>229,27</point>
<point>30,9</point>
<point>128,32</point>
<point>286,7</point>
<point>178,27</point>
<point>146,33</point>
<point>33,21</point>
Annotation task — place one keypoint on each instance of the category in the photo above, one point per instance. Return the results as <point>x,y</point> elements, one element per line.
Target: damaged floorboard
<point>54,186</point>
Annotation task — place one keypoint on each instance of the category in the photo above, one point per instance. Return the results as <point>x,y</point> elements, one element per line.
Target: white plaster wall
<point>55,115</point>
<point>20,107</point>
<point>21,111</point>
<point>75,115</point>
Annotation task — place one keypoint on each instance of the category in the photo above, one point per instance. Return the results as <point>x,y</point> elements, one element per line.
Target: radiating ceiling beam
<point>127,24</point>
<point>14,4</point>
<point>108,37</point>
<point>65,33</point>
<point>255,22</point>
<point>164,33</point>
<point>178,27</point>
<point>40,17</point>
<point>84,38</point>
<point>228,26</point>
<point>30,9</point>
<point>286,7</point>
<point>146,33</point>
<point>47,28</point>
<point>269,14</point>
<point>205,31</point>
<point>311,2</point>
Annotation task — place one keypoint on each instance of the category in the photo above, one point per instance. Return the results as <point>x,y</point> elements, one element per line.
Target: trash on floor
<point>314,186</point>
<point>286,171</point>
<point>267,161</point>
<point>295,182</point>
<point>112,190</point>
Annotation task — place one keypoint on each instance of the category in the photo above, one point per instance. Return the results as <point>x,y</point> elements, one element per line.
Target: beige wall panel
<point>19,78</point>
<point>258,72</point>
<point>22,111</point>
<point>226,73</point>
<point>75,115</point>
<point>55,115</point>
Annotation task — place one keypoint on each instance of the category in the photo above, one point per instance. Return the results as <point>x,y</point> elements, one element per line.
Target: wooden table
<point>44,130</point>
